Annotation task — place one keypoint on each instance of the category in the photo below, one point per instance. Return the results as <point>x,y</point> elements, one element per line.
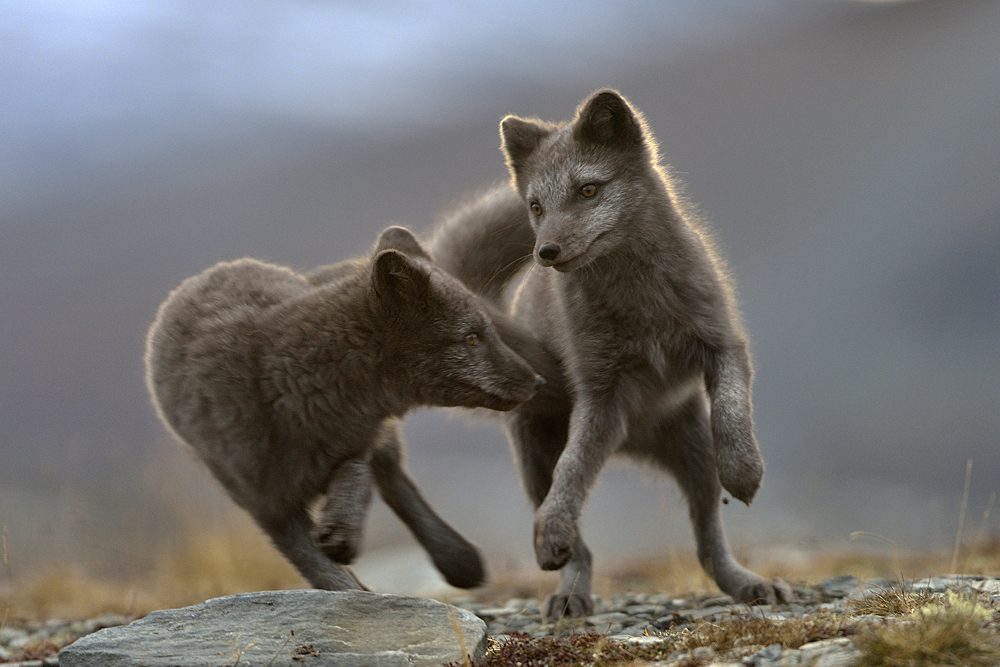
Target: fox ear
<point>606,118</point>
<point>396,279</point>
<point>402,239</point>
<point>519,139</point>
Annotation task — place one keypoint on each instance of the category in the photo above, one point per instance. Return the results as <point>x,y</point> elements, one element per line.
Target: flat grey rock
<point>309,628</point>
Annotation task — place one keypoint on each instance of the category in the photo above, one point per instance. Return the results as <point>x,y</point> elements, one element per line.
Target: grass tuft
<point>892,601</point>
<point>953,629</point>
<point>747,633</point>
<point>517,650</point>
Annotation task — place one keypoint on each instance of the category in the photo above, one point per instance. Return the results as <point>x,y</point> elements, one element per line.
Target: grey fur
<point>629,296</point>
<point>291,389</point>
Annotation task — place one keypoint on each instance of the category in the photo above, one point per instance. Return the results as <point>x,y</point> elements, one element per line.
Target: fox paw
<point>741,475</point>
<point>561,605</point>
<point>775,591</point>
<point>460,565</point>
<point>553,540</point>
<point>339,542</point>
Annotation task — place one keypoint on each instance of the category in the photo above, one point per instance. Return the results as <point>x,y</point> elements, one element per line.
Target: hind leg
<point>341,519</point>
<point>538,442</point>
<point>290,531</point>
<point>682,442</point>
<point>453,555</point>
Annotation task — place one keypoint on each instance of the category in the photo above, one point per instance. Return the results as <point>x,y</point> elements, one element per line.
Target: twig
<point>461,638</point>
<point>961,517</point>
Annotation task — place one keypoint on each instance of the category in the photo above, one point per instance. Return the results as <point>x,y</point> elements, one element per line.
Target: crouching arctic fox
<point>291,389</point>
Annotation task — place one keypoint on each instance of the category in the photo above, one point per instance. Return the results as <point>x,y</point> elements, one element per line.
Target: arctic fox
<point>627,292</point>
<point>291,389</point>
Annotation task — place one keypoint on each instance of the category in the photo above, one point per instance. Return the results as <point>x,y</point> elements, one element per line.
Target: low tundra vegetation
<point>894,627</point>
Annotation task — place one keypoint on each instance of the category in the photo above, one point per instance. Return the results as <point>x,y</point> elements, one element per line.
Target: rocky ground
<point>839,622</point>
<point>833,623</point>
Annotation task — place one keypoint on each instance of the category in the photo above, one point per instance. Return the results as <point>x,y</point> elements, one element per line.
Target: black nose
<point>539,381</point>
<point>549,251</point>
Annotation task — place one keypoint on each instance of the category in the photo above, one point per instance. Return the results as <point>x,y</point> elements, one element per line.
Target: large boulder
<point>306,627</point>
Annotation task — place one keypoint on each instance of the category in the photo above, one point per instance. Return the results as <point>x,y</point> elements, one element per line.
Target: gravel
<point>630,618</point>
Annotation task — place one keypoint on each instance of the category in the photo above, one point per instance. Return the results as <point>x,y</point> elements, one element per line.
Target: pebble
<point>41,641</point>
<point>638,619</point>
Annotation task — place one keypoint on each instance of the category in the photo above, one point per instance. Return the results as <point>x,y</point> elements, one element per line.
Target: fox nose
<point>549,251</point>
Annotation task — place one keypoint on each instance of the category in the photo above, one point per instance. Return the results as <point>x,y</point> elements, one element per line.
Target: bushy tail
<point>486,242</point>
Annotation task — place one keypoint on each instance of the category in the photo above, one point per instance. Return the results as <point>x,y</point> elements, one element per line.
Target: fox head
<point>583,180</point>
<point>440,336</point>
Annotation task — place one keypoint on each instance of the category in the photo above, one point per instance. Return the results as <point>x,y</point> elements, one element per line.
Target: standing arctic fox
<point>628,294</point>
<point>291,389</point>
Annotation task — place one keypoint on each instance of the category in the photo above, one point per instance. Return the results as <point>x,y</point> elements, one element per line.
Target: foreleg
<point>737,457</point>
<point>682,442</point>
<point>538,443</point>
<point>341,518</point>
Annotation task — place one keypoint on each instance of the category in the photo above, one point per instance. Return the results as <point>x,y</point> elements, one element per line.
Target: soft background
<point>846,153</point>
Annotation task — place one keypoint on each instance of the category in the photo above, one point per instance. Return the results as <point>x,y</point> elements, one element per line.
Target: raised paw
<point>553,540</point>
<point>742,475</point>
<point>775,591</point>
<point>340,542</point>
<point>561,605</point>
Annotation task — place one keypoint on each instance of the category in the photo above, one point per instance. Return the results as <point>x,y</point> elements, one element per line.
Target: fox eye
<point>472,339</point>
<point>588,190</point>
<point>536,208</point>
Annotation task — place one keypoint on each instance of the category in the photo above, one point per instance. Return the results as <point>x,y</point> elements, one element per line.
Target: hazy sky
<point>846,153</point>
<point>73,70</point>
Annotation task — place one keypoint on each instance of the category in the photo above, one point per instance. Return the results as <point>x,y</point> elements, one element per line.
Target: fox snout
<point>518,382</point>
<point>548,253</point>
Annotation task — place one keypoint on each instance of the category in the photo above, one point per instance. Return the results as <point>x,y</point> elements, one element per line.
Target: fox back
<point>276,379</point>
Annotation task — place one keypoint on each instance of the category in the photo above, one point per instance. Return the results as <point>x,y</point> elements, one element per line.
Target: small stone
<point>635,630</point>
<point>703,653</point>
<point>772,653</point>
<point>839,587</point>
<point>825,645</point>
<point>648,610</point>
<point>601,620</point>
<point>643,640</point>
<point>847,657</point>
<point>713,613</point>
<point>10,635</point>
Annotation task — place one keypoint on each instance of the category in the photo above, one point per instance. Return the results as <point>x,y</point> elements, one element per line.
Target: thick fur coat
<point>291,389</point>
<point>628,295</point>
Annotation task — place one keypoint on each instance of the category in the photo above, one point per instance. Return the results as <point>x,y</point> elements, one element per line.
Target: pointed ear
<point>519,139</point>
<point>396,279</point>
<point>607,119</point>
<point>402,239</point>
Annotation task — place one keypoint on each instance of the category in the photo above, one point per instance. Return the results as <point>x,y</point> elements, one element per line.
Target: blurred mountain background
<point>847,155</point>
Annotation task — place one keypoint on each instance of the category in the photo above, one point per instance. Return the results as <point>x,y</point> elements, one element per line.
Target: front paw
<point>554,537</point>
<point>339,541</point>
<point>741,473</point>
<point>775,591</point>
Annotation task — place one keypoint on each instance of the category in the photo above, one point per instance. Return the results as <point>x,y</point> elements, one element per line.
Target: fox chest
<point>609,338</point>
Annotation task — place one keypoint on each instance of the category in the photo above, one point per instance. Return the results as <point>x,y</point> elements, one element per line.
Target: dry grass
<point>953,629</point>
<point>202,563</point>
<point>231,555</point>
